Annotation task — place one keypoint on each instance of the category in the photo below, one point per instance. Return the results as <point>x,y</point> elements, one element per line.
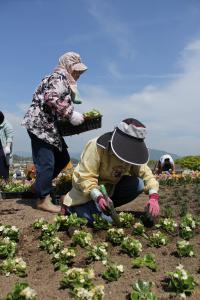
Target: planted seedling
<point>100,224</point>
<point>147,260</point>
<point>115,235</point>
<point>22,291</point>
<point>184,248</point>
<point>126,219</point>
<point>13,265</point>
<point>77,278</point>
<point>142,291</point>
<point>113,272</point>
<point>131,246</point>
<point>81,238</point>
<point>7,248</point>
<point>158,239</point>
<point>181,281</point>
<point>98,252</point>
<point>63,258</point>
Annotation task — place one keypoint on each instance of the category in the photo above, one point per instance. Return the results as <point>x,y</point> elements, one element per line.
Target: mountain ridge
<point>154,154</point>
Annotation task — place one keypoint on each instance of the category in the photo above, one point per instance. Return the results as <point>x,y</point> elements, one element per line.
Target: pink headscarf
<point>68,63</point>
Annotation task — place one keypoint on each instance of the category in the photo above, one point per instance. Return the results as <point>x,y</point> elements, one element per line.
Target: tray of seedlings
<point>92,120</point>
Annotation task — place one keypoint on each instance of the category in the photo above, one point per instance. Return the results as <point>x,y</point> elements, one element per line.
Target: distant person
<point>53,99</point>
<point>118,160</point>
<point>30,171</point>
<point>165,164</point>
<point>19,174</point>
<point>6,141</point>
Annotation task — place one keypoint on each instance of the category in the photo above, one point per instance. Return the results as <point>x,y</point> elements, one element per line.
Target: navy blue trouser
<point>49,162</point>
<point>127,189</point>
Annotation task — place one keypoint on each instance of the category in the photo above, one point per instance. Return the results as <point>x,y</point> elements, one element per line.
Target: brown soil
<point>43,278</point>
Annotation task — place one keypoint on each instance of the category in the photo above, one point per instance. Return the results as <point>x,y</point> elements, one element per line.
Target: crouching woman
<point>118,160</point>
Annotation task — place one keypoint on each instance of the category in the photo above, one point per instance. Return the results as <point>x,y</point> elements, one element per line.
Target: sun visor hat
<point>1,117</point>
<point>127,142</point>
<point>79,67</point>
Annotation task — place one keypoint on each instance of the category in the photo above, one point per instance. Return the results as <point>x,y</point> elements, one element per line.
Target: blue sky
<point>143,59</point>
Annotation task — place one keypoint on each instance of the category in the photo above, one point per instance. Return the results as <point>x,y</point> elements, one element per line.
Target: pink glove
<point>153,205</point>
<point>102,204</point>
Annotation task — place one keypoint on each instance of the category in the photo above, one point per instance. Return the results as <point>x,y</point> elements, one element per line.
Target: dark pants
<point>49,162</point>
<point>127,189</point>
<point>4,168</point>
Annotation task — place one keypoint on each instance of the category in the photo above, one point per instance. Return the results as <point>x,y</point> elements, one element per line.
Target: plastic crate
<point>66,128</point>
<point>12,195</point>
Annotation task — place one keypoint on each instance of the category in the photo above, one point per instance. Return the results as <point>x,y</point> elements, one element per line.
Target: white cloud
<point>171,113</point>
<point>118,31</point>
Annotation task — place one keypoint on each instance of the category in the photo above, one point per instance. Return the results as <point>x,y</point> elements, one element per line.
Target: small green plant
<point>131,246</point>
<point>184,248</point>
<point>7,248</point>
<point>77,277</point>
<point>115,235</point>
<point>39,223</point>
<point>72,220</point>
<point>185,232</point>
<point>113,272</point>
<point>12,232</point>
<point>142,291</point>
<point>51,244</point>
<point>21,291</point>
<point>81,238</point>
<point>167,224</point>
<point>188,220</point>
<point>99,223</point>
<point>138,229</point>
<point>98,252</point>
<point>148,261</point>
<point>126,219</point>
<point>48,230</point>
<point>63,258</point>
<point>13,265</point>
<point>94,293</point>
<point>158,239</point>
<point>181,281</point>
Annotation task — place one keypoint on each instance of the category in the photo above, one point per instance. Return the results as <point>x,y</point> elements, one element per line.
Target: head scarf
<point>1,117</point>
<point>70,62</point>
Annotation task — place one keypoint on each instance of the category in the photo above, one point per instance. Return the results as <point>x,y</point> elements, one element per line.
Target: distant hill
<point>75,156</point>
<point>156,154</point>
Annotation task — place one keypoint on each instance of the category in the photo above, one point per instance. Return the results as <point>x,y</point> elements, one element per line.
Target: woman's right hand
<point>76,118</point>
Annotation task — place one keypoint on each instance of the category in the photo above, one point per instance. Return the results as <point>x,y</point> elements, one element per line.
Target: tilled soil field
<point>42,277</point>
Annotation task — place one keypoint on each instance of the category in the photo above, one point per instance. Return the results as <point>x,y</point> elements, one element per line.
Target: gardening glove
<point>99,200</point>
<point>76,118</point>
<point>7,149</point>
<point>153,205</point>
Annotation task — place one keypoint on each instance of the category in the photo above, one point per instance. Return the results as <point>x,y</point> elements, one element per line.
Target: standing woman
<point>52,99</point>
<point>6,140</point>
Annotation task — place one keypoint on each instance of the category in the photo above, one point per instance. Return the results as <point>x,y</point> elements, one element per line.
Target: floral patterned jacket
<point>51,100</point>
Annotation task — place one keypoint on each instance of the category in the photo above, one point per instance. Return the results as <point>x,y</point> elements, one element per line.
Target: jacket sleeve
<point>151,185</point>
<point>9,132</point>
<point>86,174</point>
<point>57,96</point>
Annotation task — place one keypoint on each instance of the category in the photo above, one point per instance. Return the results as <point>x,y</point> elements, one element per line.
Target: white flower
<point>1,228</point>
<point>180,267</point>
<point>120,268</point>
<point>28,293</point>
<point>14,228</point>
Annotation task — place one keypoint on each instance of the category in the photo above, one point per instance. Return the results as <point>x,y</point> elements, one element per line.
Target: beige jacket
<point>99,166</point>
